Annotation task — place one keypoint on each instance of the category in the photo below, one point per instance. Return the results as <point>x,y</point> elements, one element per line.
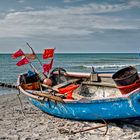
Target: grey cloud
<point>29,8</point>
<point>69,1</point>
<point>66,22</point>
<point>20,1</point>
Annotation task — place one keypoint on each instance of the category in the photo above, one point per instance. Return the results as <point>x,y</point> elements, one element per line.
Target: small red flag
<point>48,53</point>
<point>31,56</point>
<point>23,61</point>
<point>18,54</point>
<point>47,67</point>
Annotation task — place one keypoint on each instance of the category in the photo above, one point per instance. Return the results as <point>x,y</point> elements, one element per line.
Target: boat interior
<point>73,86</point>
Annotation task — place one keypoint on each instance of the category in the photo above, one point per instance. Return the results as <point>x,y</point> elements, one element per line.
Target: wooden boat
<point>99,100</point>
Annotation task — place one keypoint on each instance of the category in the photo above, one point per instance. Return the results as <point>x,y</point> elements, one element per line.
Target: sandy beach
<point>36,125</point>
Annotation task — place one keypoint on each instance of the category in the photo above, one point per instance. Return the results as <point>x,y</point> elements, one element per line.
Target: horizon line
<point>83,53</point>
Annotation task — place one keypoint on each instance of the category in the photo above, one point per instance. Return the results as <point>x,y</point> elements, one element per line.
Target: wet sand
<point>36,125</point>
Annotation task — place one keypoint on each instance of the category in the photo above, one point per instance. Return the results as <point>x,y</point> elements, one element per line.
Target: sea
<point>74,62</point>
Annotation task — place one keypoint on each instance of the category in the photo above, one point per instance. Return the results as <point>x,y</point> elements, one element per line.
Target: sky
<point>70,26</point>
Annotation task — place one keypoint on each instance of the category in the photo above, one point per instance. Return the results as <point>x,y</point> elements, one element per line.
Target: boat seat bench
<point>55,88</point>
<point>65,84</point>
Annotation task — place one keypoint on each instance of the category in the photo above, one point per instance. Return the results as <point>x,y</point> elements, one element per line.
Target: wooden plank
<point>99,84</point>
<point>49,96</point>
<point>64,84</point>
<point>55,88</point>
<point>85,75</point>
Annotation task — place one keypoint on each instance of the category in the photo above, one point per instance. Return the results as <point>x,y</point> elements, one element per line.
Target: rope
<point>21,105</point>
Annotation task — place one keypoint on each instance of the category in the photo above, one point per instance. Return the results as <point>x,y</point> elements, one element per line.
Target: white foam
<point>109,66</point>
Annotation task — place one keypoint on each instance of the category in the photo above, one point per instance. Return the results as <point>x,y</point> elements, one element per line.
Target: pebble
<point>37,125</point>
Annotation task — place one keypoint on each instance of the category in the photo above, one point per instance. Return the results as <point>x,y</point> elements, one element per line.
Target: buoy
<point>47,81</point>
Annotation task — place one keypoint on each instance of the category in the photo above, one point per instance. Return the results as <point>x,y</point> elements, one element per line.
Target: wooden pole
<point>49,96</point>
<point>88,129</point>
<point>34,54</point>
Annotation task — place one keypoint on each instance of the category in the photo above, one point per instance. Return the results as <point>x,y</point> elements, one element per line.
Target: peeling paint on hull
<point>111,108</point>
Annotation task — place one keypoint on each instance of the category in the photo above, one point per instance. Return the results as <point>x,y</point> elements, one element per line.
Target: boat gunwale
<point>84,100</point>
<point>85,75</point>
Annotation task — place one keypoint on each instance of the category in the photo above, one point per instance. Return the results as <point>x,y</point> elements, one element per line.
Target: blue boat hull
<point>107,109</point>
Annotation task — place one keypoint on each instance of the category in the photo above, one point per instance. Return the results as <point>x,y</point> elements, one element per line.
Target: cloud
<point>11,10</point>
<point>134,3</point>
<point>20,1</point>
<point>69,1</point>
<point>81,21</point>
<point>105,7</point>
<point>29,8</point>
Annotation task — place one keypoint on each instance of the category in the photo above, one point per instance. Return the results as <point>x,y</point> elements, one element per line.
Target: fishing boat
<point>80,96</point>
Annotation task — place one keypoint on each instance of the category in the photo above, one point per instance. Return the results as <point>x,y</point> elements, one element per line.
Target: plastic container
<point>31,86</point>
<point>127,89</point>
<point>125,76</point>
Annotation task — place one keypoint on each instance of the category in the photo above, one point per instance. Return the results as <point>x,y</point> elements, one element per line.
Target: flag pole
<point>35,70</point>
<point>41,75</point>
<point>34,53</point>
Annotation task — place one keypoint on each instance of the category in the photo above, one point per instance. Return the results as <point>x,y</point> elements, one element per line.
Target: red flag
<point>47,67</point>
<point>18,54</point>
<point>30,56</point>
<point>48,53</point>
<point>23,61</point>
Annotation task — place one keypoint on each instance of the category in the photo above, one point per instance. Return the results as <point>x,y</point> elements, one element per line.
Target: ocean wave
<point>106,66</point>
